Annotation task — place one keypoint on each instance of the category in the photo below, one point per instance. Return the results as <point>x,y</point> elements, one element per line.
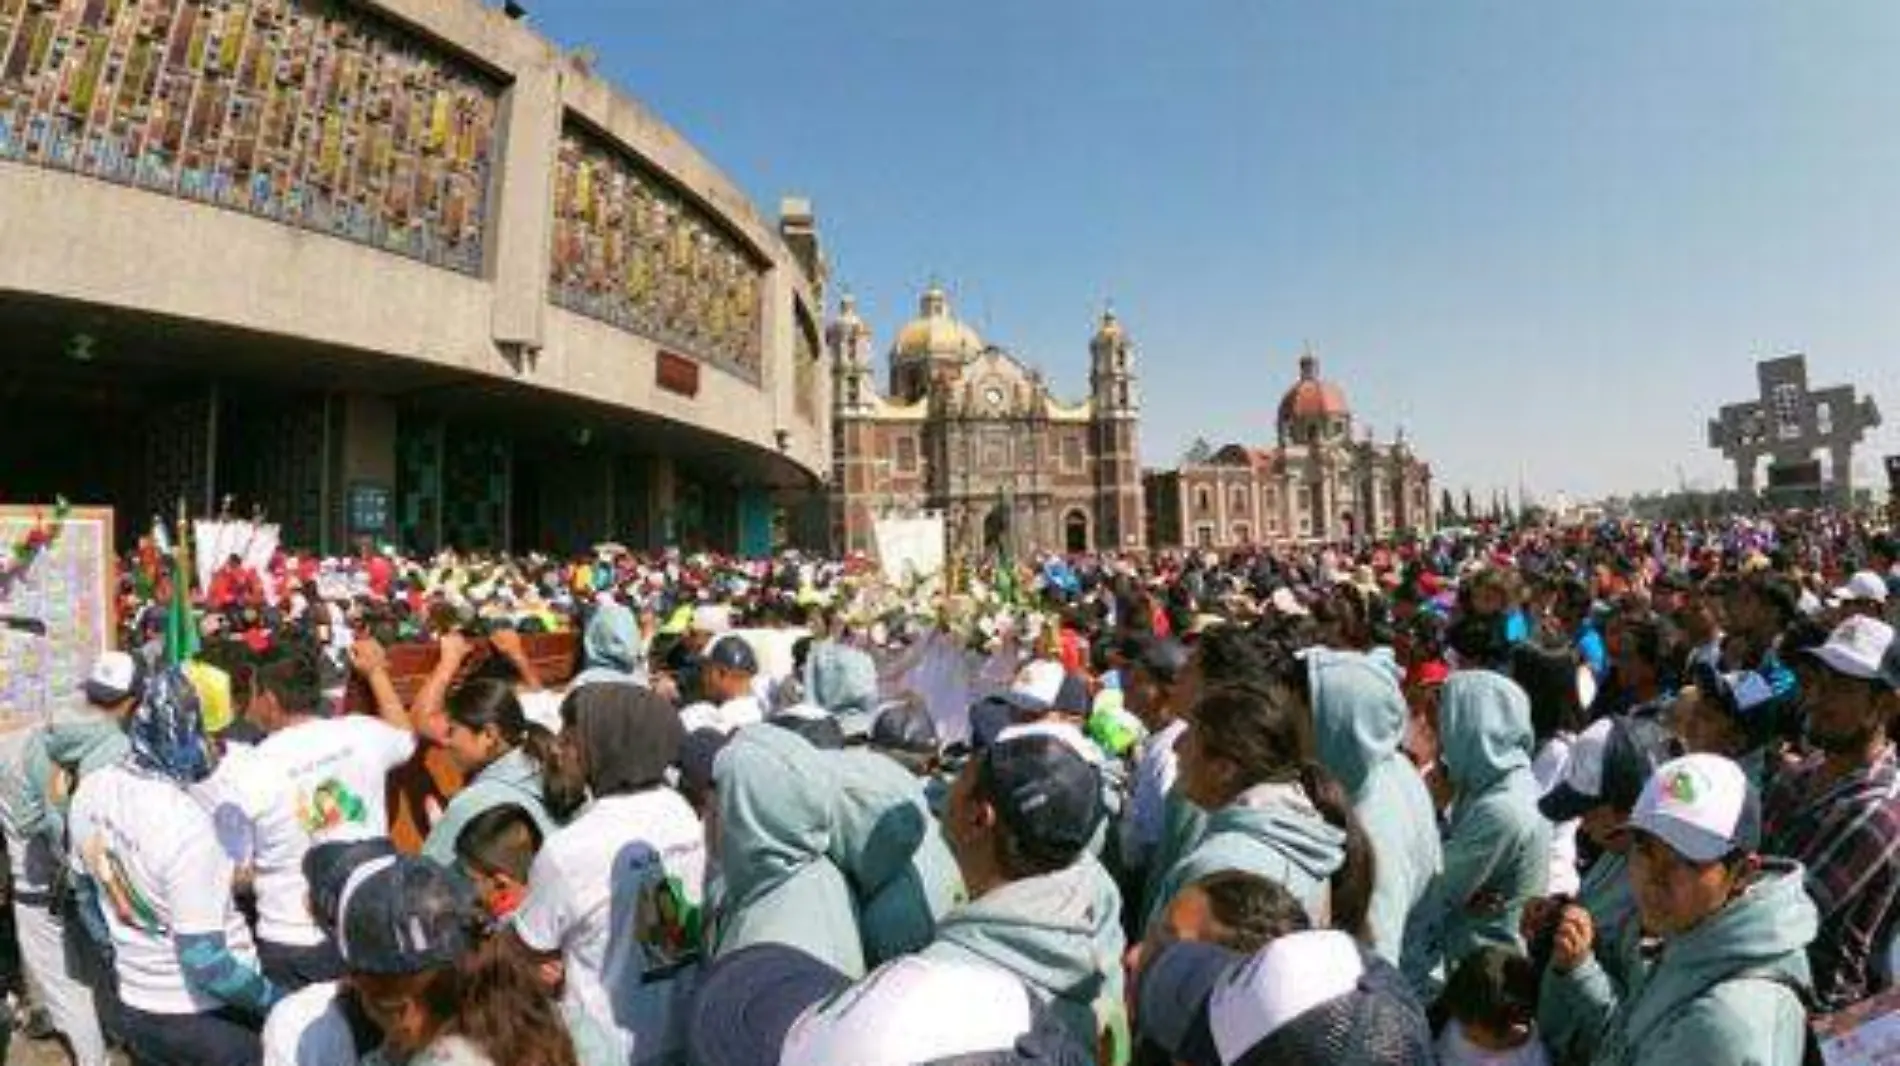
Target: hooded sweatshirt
<point>1722,994</point>
<point>890,850</point>
<point>1359,718</point>
<point>778,884</point>
<point>514,778</point>
<point>84,742</point>
<point>611,649</point>
<point>1060,933</point>
<point>1272,830</point>
<point>1497,848</point>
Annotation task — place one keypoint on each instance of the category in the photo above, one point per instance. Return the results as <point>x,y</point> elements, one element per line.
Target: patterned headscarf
<point>167,731</point>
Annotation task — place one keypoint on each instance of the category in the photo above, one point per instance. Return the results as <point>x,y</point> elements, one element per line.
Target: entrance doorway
<point>1075,533</point>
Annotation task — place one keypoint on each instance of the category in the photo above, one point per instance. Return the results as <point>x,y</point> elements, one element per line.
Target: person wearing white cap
<point>1864,594</point>
<point>1719,976</point>
<point>1839,812</point>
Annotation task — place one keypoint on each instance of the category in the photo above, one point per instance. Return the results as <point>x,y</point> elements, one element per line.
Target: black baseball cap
<point>400,915</point>
<point>698,751</point>
<point>1046,789</point>
<point>733,652</point>
<point>327,868</point>
<point>905,727</point>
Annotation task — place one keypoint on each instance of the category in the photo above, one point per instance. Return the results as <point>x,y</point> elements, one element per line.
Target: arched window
<point>1203,500</point>
<point>1237,500</point>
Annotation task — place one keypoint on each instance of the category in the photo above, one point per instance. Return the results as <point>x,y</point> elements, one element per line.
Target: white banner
<point>910,548</point>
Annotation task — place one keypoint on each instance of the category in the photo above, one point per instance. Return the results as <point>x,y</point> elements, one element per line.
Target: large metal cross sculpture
<point>1788,424</point>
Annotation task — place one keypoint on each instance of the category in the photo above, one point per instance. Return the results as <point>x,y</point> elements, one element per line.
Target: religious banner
<point>56,605</point>
<point>910,548</point>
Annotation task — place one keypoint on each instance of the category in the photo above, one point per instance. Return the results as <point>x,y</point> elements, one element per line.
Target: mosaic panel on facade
<point>305,112</point>
<point>631,251</point>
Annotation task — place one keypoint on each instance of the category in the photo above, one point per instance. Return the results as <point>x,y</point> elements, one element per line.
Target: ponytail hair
<point>1352,883</point>
<point>483,702</point>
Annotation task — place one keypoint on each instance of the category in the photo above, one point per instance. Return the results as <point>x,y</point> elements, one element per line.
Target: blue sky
<point>1547,239</point>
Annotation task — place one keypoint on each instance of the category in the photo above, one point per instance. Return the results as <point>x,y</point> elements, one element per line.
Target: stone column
<point>1745,473</point>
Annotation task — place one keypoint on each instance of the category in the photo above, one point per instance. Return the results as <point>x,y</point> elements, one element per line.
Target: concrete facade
<point>161,232</point>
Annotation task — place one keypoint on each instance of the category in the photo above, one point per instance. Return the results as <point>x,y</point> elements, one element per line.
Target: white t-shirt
<point>320,781</point>
<point>307,1028</point>
<point>726,717</point>
<point>153,856</point>
<point>618,892</point>
<point>543,708</point>
<point>1548,769</point>
<point>1155,770</point>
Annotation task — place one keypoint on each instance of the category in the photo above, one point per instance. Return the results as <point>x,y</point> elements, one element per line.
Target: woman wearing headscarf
<point>145,853</point>
<point>614,897</point>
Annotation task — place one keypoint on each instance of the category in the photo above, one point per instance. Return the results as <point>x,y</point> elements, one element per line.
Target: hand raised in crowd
<point>1576,938</point>
<point>507,644</point>
<point>367,656</point>
<point>455,647</point>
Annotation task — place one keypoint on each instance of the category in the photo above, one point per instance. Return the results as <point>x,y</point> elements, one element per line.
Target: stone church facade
<point>1316,483</point>
<point>968,431</point>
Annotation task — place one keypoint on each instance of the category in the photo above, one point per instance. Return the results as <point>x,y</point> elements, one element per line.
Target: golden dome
<point>1110,329</point>
<point>935,333</point>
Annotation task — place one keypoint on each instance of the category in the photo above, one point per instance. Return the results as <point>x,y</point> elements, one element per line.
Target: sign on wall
<point>56,616</point>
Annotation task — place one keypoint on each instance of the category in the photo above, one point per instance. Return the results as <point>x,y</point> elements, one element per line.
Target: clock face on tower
<point>993,395</point>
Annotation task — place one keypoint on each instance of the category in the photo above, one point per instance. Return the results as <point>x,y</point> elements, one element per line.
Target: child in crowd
<point>1490,1012</point>
<point>497,848</point>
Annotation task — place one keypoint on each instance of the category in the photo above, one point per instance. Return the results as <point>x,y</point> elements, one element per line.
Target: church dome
<point>1312,398</point>
<point>935,333</point>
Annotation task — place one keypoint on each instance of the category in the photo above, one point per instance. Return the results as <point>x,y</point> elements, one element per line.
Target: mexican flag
<point>181,622</point>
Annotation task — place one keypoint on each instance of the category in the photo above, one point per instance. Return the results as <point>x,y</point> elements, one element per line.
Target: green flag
<point>181,622</point>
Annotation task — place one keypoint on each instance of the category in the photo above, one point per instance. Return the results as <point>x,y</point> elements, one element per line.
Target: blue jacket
<point>1722,994</point>
<point>1497,847</point>
<point>1359,718</point>
<point>891,851</point>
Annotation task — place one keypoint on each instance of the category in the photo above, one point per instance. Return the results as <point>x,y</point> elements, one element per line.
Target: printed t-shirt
<point>316,782</point>
<point>618,892</point>
<point>154,859</point>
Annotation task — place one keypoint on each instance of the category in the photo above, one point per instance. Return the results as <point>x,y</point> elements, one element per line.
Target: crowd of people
<point>1617,796</point>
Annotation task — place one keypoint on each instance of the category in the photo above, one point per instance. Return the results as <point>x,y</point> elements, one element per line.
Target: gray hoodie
<point>1359,718</point>
<point>1722,994</point>
<point>1060,933</point>
<point>1497,849</point>
<point>611,648</point>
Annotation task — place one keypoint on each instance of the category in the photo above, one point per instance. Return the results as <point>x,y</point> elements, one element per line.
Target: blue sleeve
<point>212,970</point>
<point>1590,646</point>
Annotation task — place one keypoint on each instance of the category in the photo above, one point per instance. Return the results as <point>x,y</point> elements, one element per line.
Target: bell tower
<point>1115,422</point>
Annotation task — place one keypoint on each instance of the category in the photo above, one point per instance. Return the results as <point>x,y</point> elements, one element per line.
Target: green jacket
<point>1359,718</point>
<point>1722,994</point>
<point>1497,847</point>
<point>1060,933</point>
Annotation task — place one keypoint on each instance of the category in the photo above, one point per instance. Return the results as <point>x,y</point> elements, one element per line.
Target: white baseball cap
<point>1702,806</point>
<point>1863,586</point>
<point>773,1005</point>
<point>1036,685</point>
<point>1313,996</point>
<point>115,676</point>
<point>1864,648</point>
